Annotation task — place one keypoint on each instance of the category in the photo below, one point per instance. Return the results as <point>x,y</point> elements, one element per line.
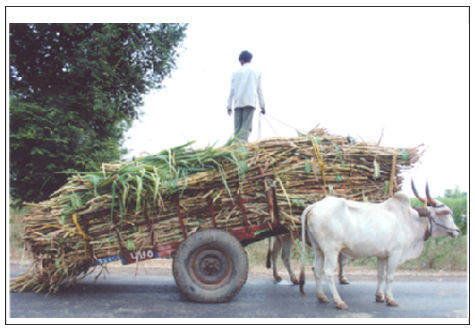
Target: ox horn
<point>430,201</point>
<point>414,190</point>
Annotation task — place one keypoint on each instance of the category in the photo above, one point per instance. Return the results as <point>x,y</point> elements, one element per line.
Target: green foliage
<point>16,228</point>
<point>44,143</point>
<point>454,193</point>
<point>442,253</point>
<point>74,91</point>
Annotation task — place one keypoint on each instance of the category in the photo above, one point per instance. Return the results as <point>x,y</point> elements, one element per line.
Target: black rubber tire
<point>210,266</point>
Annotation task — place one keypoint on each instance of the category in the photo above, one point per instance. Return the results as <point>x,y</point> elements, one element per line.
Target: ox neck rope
<point>428,227</point>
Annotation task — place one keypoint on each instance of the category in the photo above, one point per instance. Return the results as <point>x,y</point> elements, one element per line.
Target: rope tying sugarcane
<point>393,173</point>
<point>285,124</point>
<point>266,118</point>
<point>321,164</point>
<point>82,233</point>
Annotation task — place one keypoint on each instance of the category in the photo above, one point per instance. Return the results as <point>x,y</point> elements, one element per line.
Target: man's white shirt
<point>245,88</point>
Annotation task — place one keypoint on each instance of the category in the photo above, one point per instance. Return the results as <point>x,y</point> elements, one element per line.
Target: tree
<point>454,193</point>
<point>74,91</point>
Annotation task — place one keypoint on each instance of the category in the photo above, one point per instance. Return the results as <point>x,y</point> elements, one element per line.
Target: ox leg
<point>286,251</point>
<point>392,264</point>
<point>330,263</point>
<point>275,253</point>
<point>342,260</point>
<point>382,263</point>
<point>318,272</point>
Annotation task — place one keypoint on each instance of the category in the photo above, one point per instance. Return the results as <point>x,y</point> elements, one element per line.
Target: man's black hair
<point>245,56</point>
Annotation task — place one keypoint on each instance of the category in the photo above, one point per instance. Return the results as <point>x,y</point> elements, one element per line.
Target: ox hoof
<point>380,298</point>
<point>294,280</point>
<point>344,280</point>
<point>277,278</point>
<point>391,302</point>
<point>341,305</point>
<point>322,298</point>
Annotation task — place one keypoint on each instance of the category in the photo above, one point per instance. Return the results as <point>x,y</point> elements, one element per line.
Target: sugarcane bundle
<point>158,200</point>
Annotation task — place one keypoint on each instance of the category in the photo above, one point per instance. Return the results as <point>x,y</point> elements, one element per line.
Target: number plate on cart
<point>130,257</point>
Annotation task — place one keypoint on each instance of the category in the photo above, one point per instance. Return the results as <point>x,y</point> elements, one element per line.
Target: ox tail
<point>269,250</point>
<point>302,257</point>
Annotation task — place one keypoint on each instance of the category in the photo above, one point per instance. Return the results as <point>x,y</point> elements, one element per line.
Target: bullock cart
<point>200,207</point>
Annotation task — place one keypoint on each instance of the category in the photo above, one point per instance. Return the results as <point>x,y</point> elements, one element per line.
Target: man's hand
<point>263,111</point>
<point>230,112</point>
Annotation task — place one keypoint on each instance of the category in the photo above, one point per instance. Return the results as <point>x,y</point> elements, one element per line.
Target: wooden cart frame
<point>209,265</point>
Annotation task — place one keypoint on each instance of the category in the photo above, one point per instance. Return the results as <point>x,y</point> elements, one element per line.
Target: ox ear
<point>422,211</point>
<point>414,190</point>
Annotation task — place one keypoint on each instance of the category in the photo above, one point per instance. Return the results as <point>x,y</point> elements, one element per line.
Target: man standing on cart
<point>245,89</point>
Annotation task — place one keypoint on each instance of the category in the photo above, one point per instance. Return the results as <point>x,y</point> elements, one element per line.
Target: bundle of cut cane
<point>138,205</point>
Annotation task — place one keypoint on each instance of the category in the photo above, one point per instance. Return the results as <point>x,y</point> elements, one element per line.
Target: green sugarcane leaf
<point>307,167</point>
<point>114,184</point>
<point>130,245</point>
<point>377,170</point>
<point>404,155</point>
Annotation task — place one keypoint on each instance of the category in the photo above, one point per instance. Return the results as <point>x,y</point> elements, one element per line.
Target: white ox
<point>393,231</point>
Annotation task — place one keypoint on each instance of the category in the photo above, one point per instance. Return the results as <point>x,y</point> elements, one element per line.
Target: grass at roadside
<point>445,253</point>
<point>15,237</point>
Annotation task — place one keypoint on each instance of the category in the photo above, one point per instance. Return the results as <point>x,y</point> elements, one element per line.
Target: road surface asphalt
<point>128,293</point>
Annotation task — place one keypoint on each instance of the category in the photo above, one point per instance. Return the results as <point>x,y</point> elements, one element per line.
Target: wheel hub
<point>210,267</point>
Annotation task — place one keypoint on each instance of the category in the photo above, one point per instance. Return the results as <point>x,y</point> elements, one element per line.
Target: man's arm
<point>260,95</point>
<point>231,96</point>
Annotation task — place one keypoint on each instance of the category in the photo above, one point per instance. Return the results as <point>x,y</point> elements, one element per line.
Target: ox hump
<point>402,198</point>
<point>328,205</point>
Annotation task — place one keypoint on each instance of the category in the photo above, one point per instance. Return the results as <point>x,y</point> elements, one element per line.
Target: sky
<point>355,71</point>
<point>399,73</point>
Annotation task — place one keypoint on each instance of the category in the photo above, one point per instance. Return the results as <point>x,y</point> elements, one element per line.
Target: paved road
<point>157,296</point>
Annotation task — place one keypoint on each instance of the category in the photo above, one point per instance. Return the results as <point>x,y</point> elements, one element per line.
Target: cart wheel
<point>210,266</point>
